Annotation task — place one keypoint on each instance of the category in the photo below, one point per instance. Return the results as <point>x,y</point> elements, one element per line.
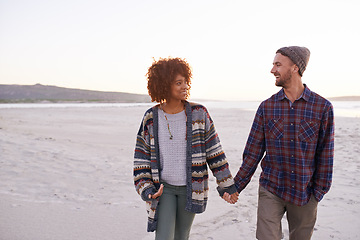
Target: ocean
<point>341,108</point>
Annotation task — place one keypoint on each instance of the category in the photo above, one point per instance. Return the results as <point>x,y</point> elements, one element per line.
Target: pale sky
<point>108,45</point>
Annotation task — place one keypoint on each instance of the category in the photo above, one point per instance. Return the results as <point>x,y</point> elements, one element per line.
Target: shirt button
<point>292,171</point>
<point>291,124</point>
<point>292,186</point>
<point>291,140</point>
<point>292,156</point>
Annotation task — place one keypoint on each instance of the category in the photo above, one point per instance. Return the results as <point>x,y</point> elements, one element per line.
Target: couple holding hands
<point>292,136</point>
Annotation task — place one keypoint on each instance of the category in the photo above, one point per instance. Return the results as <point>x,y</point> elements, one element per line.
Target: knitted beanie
<point>299,55</point>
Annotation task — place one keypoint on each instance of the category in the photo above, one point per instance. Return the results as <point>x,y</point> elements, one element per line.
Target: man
<point>295,130</point>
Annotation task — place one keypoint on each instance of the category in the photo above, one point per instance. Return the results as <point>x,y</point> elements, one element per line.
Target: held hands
<point>158,193</point>
<point>231,198</point>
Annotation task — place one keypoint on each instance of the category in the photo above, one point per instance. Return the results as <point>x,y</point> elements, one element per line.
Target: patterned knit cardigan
<point>203,148</point>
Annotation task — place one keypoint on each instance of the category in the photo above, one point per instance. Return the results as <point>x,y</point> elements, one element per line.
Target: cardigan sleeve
<point>216,158</point>
<point>142,159</point>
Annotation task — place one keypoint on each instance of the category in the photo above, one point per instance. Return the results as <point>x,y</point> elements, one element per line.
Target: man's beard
<point>284,80</point>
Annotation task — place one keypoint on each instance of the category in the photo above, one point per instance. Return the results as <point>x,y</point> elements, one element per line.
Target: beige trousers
<point>271,209</point>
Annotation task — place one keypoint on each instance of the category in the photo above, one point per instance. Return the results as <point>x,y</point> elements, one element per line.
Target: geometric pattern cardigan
<point>203,150</point>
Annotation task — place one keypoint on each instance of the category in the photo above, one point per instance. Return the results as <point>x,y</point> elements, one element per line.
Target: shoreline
<point>341,108</point>
<point>68,171</point>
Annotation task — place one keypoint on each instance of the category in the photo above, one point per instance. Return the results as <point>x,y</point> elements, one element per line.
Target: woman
<point>175,143</point>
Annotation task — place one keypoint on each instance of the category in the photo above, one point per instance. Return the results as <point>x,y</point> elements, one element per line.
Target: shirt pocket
<point>309,129</point>
<point>276,128</point>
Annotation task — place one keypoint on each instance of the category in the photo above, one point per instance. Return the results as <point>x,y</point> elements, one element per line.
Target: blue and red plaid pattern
<point>298,143</point>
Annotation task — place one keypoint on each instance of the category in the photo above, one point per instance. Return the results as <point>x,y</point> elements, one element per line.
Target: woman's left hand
<point>231,198</point>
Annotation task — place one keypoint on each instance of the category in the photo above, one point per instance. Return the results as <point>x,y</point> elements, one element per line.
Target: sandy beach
<point>66,173</point>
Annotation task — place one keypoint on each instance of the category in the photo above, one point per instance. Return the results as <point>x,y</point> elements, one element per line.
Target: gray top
<point>172,151</point>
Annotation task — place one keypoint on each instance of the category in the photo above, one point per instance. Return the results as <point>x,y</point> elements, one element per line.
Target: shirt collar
<point>305,95</point>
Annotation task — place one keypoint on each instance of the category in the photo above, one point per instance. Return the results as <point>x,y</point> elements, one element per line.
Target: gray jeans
<point>174,222</point>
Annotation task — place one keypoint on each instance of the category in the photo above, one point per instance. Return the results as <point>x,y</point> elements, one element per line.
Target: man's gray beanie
<point>299,55</point>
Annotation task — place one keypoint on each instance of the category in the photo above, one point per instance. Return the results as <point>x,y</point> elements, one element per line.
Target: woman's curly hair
<point>162,73</point>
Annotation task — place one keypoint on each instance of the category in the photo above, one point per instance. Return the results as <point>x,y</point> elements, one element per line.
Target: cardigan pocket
<point>151,208</point>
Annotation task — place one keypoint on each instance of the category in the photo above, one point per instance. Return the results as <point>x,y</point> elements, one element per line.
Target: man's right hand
<point>231,198</point>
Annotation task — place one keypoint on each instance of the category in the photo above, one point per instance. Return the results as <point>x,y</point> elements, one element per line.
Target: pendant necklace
<point>171,136</point>
<point>167,122</point>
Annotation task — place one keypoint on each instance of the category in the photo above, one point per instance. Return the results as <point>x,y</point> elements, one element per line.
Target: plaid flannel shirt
<point>298,142</point>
